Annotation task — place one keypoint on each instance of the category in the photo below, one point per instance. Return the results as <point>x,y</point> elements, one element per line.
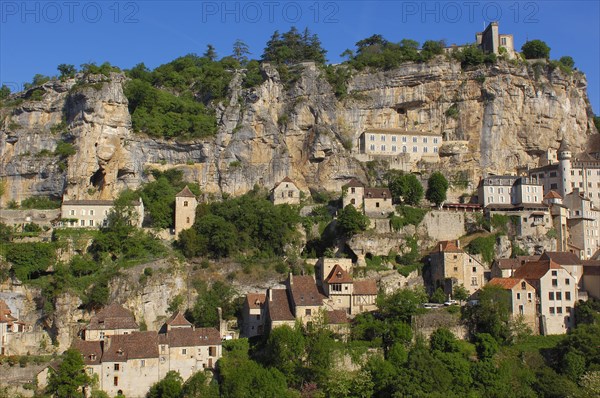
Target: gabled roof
<point>534,270</point>
<point>377,193</point>
<point>111,317</point>
<point>90,350</point>
<point>304,291</point>
<point>255,300</point>
<point>279,306</point>
<point>552,195</point>
<point>355,183</point>
<point>505,283</point>
<point>177,319</point>
<point>286,179</point>
<point>185,193</point>
<point>137,345</point>
<point>189,337</point>
<point>5,313</point>
<point>336,317</point>
<point>561,258</point>
<point>447,246</point>
<point>514,263</point>
<point>338,275</point>
<point>365,287</point>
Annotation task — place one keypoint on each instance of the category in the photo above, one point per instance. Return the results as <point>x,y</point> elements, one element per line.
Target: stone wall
<point>444,225</point>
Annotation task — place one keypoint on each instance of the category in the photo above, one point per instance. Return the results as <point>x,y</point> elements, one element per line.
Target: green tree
<point>350,221</point>
<point>535,49</point>
<point>66,70</point>
<point>69,380</point>
<point>169,387</point>
<point>210,53</point>
<point>437,186</point>
<point>285,351</point>
<point>443,340</point>
<point>460,293</point>
<point>486,345</point>
<point>241,51</point>
<point>4,92</point>
<point>219,295</point>
<point>567,61</point>
<point>6,233</point>
<point>198,386</point>
<point>402,304</point>
<point>406,189</point>
<point>438,296</point>
<point>30,260</point>
<point>491,315</point>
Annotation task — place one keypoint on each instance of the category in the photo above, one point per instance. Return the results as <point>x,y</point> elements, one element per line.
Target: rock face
<point>503,116</point>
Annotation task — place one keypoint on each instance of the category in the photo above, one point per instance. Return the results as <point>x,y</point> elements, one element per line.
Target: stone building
<point>9,326</point>
<point>583,223</point>
<point>254,314</point>
<point>523,300</point>
<point>506,267</point>
<point>128,362</point>
<point>557,294</point>
<point>451,266</point>
<point>591,278</point>
<point>110,320</point>
<point>285,191</point>
<point>185,210</point>
<point>401,148</point>
<point>373,202</point>
<point>94,213</point>
<point>491,41</point>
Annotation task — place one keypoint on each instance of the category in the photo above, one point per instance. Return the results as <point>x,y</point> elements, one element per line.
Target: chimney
<point>440,246</point>
<point>291,279</point>
<point>270,294</point>
<point>458,243</point>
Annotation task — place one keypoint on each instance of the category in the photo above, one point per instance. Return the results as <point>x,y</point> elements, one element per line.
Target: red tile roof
<point>90,350</point>
<point>505,283</point>
<point>338,275</point>
<point>377,193</point>
<point>255,301</point>
<point>534,270</point>
<point>177,319</point>
<point>112,317</point>
<point>278,306</point>
<point>304,291</point>
<point>447,246</point>
<point>552,195</point>
<point>193,337</point>
<point>562,258</point>
<point>137,345</point>
<point>185,193</point>
<point>336,317</point>
<point>365,287</point>
<point>5,313</point>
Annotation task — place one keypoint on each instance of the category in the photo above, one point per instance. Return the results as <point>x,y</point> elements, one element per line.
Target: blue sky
<point>36,36</point>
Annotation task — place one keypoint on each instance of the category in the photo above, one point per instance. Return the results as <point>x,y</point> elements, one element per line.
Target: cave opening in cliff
<point>97,179</point>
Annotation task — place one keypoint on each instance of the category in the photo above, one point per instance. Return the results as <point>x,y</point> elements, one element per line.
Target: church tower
<point>185,210</point>
<point>564,165</point>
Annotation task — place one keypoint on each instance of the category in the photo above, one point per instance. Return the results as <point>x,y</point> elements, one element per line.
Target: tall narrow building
<point>185,210</point>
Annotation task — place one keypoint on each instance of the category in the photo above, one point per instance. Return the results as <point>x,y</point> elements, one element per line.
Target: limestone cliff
<point>506,116</point>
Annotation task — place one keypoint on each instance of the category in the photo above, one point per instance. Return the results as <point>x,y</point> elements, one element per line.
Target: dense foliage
<point>437,186</point>
<point>70,376</point>
<point>350,221</point>
<point>405,188</point>
<point>534,49</point>
<point>249,224</point>
<point>292,47</point>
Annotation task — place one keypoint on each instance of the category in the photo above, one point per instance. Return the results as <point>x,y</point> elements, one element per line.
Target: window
<point>559,295</point>
<point>568,310</point>
<point>554,282</point>
<point>307,312</point>
<point>91,223</point>
<point>554,273</point>
<point>336,287</point>
<point>529,298</point>
<point>162,349</point>
<point>101,335</point>
<point>187,220</point>
<point>83,212</point>
<point>553,186</point>
<point>559,310</point>
<point>568,296</point>
<point>404,149</point>
<point>383,148</point>
<point>551,296</point>
<point>393,138</point>
<point>518,296</point>
<point>435,149</point>
<point>258,317</point>
<point>415,149</point>
<point>503,41</point>
<point>91,212</point>
<point>551,310</point>
<point>82,223</point>
<point>567,281</point>
<point>290,194</point>
<point>424,140</point>
<point>116,381</point>
<point>143,363</point>
<point>72,212</point>
<point>117,367</point>
<point>212,351</point>
<point>372,138</point>
<point>352,190</point>
<point>376,204</point>
<point>435,140</point>
<point>425,150</point>
<point>183,351</point>
<point>372,147</point>
<point>474,269</point>
<point>521,309</point>
<point>414,139</point>
<point>185,203</point>
<point>553,174</point>
<point>383,138</point>
<point>403,139</point>
<point>353,201</point>
<point>393,148</point>
<point>474,281</point>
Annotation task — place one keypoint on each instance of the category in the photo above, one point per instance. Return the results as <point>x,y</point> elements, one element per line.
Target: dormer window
<point>120,352</point>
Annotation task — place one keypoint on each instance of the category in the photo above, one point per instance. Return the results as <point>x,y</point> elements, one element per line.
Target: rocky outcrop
<point>506,115</point>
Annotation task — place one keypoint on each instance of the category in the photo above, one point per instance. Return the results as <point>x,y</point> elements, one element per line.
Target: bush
<point>535,49</point>
<point>64,149</point>
<point>484,246</point>
<point>40,203</point>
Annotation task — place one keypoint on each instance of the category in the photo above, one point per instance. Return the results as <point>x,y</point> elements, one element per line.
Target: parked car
<point>450,302</point>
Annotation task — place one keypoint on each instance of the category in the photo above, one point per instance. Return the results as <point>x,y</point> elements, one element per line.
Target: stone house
<point>9,326</point>
<point>505,267</point>
<point>254,314</point>
<point>591,278</point>
<point>491,41</point>
<point>278,309</point>
<point>582,224</point>
<point>400,146</point>
<point>94,213</point>
<point>373,202</point>
<point>130,362</point>
<point>523,300</point>
<point>451,266</point>
<point>305,297</point>
<point>557,294</point>
<point>569,261</point>
<point>109,321</point>
<point>285,191</point>
<point>185,210</point>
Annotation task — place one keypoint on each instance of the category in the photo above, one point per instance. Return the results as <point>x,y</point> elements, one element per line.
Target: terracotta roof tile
<point>365,287</point>
<point>505,283</point>
<point>338,275</point>
<point>534,270</point>
<point>255,300</point>
<point>561,258</point>
<point>447,246</point>
<point>304,291</point>
<point>377,193</point>
<point>278,306</point>
<point>90,350</point>
<point>137,345</point>
<point>185,193</point>
<point>177,319</point>
<point>112,317</point>
<point>193,337</point>
<point>336,317</point>
<point>552,195</point>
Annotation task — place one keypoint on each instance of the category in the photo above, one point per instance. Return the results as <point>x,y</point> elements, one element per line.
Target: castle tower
<point>564,167</point>
<point>185,210</point>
